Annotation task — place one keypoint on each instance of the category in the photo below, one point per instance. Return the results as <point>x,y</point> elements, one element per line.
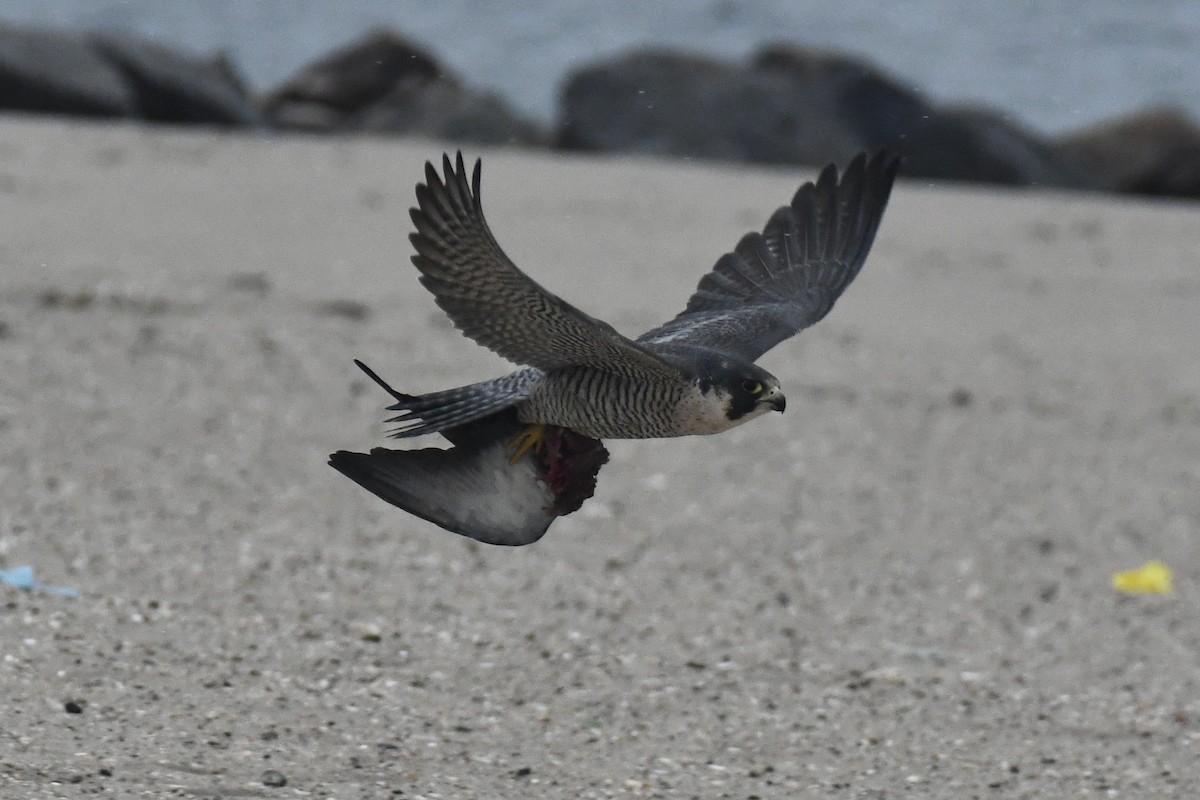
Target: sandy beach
<point>899,588</point>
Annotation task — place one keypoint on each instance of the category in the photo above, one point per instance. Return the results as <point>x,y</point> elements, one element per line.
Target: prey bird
<point>526,447</point>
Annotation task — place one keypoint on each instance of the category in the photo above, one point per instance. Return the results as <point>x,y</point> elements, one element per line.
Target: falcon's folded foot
<point>532,438</point>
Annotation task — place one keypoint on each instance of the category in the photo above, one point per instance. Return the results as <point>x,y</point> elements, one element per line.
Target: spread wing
<point>491,300</point>
<point>778,282</point>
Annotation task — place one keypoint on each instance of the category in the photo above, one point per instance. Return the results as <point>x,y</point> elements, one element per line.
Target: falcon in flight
<point>525,447</point>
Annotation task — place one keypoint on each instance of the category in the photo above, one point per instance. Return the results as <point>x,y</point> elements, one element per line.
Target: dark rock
<point>171,86</point>
<point>877,110</point>
<point>795,106</point>
<point>674,104</point>
<point>273,778</point>
<point>110,75</point>
<point>54,72</point>
<point>353,77</point>
<point>305,116</point>
<point>985,146</point>
<point>346,309</point>
<point>1152,152</point>
<point>947,143</point>
<point>385,84</point>
<point>445,109</point>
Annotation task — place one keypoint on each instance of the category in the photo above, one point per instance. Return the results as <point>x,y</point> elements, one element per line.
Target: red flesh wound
<point>571,461</point>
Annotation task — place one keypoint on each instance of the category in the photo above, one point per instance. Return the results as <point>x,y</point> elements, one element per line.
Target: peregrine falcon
<point>525,447</point>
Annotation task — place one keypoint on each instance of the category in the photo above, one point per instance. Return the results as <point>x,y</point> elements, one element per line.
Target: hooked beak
<point>775,400</point>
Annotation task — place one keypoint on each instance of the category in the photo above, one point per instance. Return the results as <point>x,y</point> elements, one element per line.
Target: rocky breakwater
<point>783,105</point>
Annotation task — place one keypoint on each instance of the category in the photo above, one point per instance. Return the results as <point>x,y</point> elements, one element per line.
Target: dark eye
<point>752,387</point>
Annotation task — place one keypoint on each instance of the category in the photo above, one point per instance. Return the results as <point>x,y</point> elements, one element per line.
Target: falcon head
<point>747,391</point>
<point>726,394</point>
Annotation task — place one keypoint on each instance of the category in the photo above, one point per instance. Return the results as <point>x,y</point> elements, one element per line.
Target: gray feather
<point>469,489</point>
<point>491,300</point>
<point>778,282</point>
<point>437,411</point>
<point>473,489</point>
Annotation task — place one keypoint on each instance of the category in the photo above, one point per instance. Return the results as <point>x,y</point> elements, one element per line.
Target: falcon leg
<point>532,438</point>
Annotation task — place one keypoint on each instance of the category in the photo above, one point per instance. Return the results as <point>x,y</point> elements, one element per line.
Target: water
<point>1054,64</point>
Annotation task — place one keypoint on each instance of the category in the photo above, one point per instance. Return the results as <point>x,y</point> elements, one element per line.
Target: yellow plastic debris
<point>1153,577</point>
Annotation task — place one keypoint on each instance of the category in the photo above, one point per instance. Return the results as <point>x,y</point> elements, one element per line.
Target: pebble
<point>274,777</point>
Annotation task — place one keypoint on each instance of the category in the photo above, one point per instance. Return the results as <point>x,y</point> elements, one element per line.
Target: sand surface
<point>899,588</point>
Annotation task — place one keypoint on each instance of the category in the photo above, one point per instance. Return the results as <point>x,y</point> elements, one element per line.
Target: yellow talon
<point>532,438</point>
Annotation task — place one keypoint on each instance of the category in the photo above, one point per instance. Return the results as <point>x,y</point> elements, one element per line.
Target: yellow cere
<point>1153,577</point>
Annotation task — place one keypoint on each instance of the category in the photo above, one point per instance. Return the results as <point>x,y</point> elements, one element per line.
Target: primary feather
<point>778,282</point>
<point>495,303</point>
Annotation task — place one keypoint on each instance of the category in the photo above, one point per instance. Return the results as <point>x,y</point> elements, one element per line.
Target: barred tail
<point>440,411</point>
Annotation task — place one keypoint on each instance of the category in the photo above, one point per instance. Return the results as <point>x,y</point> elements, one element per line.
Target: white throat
<point>701,413</point>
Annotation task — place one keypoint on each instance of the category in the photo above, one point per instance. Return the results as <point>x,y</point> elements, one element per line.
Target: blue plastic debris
<point>22,578</point>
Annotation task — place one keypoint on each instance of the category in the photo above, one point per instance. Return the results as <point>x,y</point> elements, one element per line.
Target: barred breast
<point>604,405</point>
